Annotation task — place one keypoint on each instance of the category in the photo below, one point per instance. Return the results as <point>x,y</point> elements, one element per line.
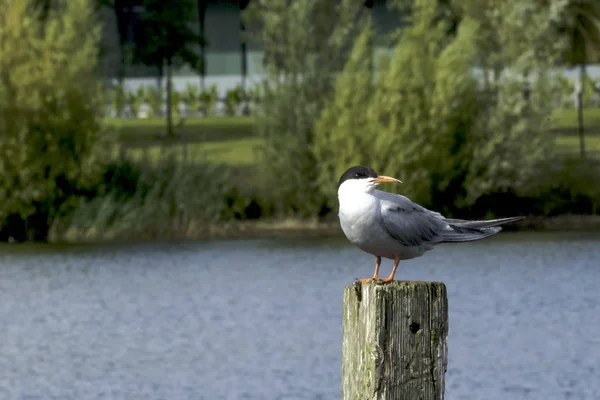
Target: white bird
<point>392,226</point>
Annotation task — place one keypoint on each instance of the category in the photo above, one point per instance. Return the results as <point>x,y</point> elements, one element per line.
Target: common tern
<point>392,226</point>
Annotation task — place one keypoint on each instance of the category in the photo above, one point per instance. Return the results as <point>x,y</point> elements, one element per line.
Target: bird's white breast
<point>360,219</point>
<point>359,214</point>
<point>356,214</point>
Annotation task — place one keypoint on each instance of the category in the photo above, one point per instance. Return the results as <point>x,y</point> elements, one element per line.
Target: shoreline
<point>303,228</point>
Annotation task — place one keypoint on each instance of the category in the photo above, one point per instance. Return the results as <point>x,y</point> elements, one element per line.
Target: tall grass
<point>152,197</point>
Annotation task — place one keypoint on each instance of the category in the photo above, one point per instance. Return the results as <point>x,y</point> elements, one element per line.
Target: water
<point>261,319</point>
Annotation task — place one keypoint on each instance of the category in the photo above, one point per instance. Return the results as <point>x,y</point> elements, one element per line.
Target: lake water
<point>261,319</point>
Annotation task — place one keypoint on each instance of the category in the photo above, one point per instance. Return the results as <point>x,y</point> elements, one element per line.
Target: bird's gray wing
<point>411,224</point>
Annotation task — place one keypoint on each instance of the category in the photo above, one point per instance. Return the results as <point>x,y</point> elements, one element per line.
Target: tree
<point>426,117</point>
<point>306,43</point>
<point>202,6</point>
<point>414,119</point>
<point>511,136</point>
<point>50,119</point>
<point>122,10</point>
<point>166,38</point>
<point>580,26</point>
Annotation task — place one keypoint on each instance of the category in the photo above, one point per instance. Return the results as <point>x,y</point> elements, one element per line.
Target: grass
<point>232,140</point>
<point>567,135</point>
<point>229,140</point>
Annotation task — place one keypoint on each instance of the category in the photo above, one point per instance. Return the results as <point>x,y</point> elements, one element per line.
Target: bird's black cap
<point>357,172</point>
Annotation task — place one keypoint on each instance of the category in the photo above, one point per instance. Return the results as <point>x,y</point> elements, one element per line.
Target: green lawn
<point>232,140</point>
<point>567,135</point>
<point>229,140</point>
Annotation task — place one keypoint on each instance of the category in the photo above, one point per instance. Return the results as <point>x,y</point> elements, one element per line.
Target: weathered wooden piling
<point>395,341</point>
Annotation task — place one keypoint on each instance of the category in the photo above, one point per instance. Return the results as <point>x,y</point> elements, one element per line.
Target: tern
<point>392,226</point>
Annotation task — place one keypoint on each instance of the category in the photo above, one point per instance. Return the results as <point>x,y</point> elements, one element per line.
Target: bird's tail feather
<point>466,231</point>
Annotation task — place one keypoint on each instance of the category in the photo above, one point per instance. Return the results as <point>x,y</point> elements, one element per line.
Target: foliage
<point>343,132</point>
<point>513,123</point>
<point>209,97</point>
<point>414,120</point>
<point>167,39</point>
<point>149,199</point>
<point>565,92</point>
<point>175,101</point>
<point>305,43</point>
<point>119,8</point>
<point>191,98</point>
<point>135,99</point>
<point>154,97</point>
<point>118,100</point>
<point>253,95</point>
<point>425,117</point>
<point>233,99</point>
<point>579,24</point>
<point>49,119</point>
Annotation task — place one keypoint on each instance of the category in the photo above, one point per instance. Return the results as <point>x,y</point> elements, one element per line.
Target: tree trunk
<point>201,19</point>
<point>121,81</point>
<point>170,132</point>
<point>580,109</point>
<point>159,78</point>
<point>122,17</point>
<point>244,52</point>
<point>244,66</point>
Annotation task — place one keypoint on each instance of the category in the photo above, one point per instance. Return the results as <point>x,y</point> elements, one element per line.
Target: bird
<point>388,225</point>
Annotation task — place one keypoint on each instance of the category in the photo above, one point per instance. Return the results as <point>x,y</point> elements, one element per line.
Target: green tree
<point>166,37</point>
<point>414,119</point>
<point>427,117</point>
<point>306,43</point>
<point>513,122</point>
<point>122,10</point>
<point>50,99</point>
<point>580,26</point>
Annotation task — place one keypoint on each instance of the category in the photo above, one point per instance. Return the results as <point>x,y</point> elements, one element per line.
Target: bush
<point>153,96</point>
<point>233,99</point>
<point>300,66</point>
<point>425,117</point>
<point>118,100</point>
<point>209,98</point>
<point>413,120</point>
<point>147,199</point>
<point>135,100</point>
<point>191,98</point>
<point>50,121</point>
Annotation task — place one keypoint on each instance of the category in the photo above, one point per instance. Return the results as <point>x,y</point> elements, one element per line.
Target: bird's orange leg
<point>376,274</point>
<point>391,277</point>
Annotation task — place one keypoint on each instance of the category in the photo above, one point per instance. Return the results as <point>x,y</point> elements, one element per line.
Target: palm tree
<point>581,28</point>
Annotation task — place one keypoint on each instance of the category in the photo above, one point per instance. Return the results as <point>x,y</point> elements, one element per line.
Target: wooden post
<point>395,341</point>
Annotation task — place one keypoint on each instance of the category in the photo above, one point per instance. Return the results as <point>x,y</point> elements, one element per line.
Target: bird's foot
<point>376,279</point>
<point>368,280</point>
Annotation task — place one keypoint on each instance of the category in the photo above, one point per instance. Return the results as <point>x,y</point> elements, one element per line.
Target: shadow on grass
<point>149,133</point>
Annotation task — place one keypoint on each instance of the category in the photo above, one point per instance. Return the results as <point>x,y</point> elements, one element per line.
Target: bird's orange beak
<point>386,179</point>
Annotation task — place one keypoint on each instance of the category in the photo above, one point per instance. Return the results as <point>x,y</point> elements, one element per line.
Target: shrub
<point>191,98</point>
<point>154,96</point>
<point>50,120</point>
<point>149,199</point>
<point>118,100</point>
<point>209,97</point>
<point>135,99</point>
<point>425,117</point>
<point>414,119</point>
<point>233,100</point>
<point>300,64</point>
